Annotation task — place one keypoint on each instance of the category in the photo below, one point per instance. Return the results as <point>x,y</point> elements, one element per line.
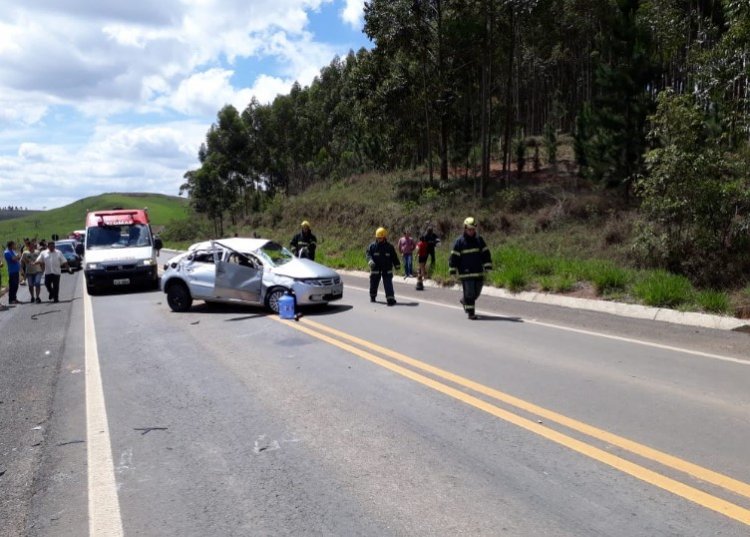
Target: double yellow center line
<point>344,341</point>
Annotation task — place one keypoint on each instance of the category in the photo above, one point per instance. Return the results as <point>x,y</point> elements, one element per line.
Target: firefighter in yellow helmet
<point>382,259</point>
<point>304,243</point>
<point>470,259</point>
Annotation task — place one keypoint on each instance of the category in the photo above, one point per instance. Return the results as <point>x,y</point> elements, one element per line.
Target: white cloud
<point>31,152</point>
<point>67,66</point>
<point>204,93</point>
<point>21,112</point>
<point>103,58</point>
<point>353,12</point>
<point>117,158</point>
<point>267,88</point>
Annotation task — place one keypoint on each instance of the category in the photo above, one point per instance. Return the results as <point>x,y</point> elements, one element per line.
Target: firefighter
<point>382,259</point>
<point>470,259</point>
<point>304,243</point>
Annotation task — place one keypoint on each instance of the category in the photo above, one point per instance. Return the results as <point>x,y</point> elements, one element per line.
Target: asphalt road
<point>363,419</point>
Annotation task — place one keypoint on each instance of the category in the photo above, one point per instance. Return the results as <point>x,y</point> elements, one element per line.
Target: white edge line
<point>599,334</point>
<point>104,506</point>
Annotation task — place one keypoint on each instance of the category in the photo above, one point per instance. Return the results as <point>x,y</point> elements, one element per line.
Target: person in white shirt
<point>52,260</point>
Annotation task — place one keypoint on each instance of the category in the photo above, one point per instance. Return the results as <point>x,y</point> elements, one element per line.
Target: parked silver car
<point>246,271</point>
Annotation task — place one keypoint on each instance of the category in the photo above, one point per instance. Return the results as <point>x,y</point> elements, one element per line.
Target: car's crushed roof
<point>239,244</point>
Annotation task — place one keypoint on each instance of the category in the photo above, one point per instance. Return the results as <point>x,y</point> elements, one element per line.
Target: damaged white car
<point>246,271</point>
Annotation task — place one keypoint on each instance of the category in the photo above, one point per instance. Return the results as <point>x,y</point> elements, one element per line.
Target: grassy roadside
<point>519,270</point>
<point>546,235</point>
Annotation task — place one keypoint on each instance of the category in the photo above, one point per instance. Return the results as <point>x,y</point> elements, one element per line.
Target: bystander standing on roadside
<point>2,264</point>
<point>12,260</point>
<point>158,245</point>
<point>421,263</point>
<point>406,247</point>
<point>432,240</point>
<point>52,260</point>
<point>32,271</point>
<point>24,247</point>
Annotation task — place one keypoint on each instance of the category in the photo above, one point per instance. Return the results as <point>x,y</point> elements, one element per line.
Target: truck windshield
<point>124,236</point>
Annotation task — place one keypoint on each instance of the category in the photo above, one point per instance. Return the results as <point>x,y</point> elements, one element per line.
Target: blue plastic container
<point>286,306</point>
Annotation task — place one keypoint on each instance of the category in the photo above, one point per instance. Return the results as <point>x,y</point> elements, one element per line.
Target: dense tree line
<point>456,83</point>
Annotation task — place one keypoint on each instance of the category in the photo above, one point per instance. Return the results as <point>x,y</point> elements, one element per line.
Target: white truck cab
<point>119,250</point>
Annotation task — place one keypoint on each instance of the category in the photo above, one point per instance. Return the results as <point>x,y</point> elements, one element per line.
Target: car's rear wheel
<point>178,297</point>
<point>272,298</point>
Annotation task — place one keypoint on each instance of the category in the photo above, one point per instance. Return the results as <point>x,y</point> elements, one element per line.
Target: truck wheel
<point>178,297</point>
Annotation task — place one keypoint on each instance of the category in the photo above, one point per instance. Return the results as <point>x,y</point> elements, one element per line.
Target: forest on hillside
<point>653,93</point>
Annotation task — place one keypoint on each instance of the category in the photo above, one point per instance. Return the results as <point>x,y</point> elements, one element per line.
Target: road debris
<point>149,429</point>
<point>71,442</point>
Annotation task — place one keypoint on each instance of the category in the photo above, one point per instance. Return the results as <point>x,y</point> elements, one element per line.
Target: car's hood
<point>304,268</point>
<point>118,254</point>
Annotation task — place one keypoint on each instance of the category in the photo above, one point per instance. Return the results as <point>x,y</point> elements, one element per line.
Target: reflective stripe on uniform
<point>471,251</point>
<point>471,275</point>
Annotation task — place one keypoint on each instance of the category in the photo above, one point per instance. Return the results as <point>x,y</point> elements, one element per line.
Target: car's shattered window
<point>275,254</point>
<point>203,257</point>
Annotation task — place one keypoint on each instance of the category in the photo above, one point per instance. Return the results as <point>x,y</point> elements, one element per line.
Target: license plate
<point>124,281</point>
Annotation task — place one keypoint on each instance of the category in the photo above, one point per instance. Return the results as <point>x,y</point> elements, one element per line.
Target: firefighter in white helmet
<point>382,259</point>
<point>469,260</point>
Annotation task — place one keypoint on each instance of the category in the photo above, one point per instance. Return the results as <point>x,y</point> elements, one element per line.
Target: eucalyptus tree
<point>614,139</point>
<point>414,31</point>
<point>219,185</point>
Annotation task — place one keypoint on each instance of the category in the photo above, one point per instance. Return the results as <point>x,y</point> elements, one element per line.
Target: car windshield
<point>102,237</point>
<point>65,247</point>
<point>274,254</point>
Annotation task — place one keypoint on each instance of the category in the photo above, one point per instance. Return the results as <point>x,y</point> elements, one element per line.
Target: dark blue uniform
<point>304,240</point>
<point>382,259</point>
<point>469,260</point>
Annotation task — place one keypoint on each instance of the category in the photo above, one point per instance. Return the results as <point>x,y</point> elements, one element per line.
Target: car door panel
<point>200,272</point>
<point>237,277</point>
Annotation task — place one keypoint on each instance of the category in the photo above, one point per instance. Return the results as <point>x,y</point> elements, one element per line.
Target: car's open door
<point>238,276</point>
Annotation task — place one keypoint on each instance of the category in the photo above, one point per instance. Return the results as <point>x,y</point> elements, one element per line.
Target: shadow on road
<point>499,318</point>
<point>323,309</point>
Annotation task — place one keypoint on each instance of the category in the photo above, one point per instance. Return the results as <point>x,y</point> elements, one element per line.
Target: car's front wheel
<point>272,298</point>
<point>178,297</point>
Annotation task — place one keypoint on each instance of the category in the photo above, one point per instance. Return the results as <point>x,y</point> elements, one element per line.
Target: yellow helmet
<point>305,223</point>
<point>470,222</point>
<point>381,233</point>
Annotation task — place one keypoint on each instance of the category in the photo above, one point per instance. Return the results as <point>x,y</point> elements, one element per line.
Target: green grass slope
<point>547,232</point>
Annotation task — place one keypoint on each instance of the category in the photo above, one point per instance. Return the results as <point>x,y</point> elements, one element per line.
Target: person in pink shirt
<point>406,247</point>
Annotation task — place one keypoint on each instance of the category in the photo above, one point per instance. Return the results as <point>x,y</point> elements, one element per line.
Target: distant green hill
<point>162,210</point>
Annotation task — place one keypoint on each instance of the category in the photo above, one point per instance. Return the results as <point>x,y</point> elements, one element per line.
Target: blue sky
<point>117,96</point>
